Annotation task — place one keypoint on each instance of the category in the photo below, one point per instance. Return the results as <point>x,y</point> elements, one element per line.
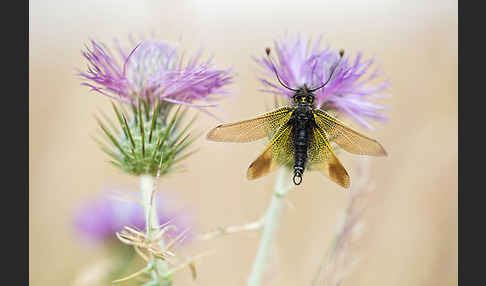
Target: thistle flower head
<point>302,63</point>
<point>100,219</point>
<point>150,78</point>
<point>153,69</point>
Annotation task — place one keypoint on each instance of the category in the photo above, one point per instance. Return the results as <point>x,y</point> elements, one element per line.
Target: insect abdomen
<point>302,134</point>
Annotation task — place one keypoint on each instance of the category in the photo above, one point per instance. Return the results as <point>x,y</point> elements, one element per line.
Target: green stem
<point>152,223</point>
<point>271,223</point>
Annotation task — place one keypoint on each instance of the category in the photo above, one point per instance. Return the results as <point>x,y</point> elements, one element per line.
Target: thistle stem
<point>271,223</point>
<point>151,219</point>
<point>147,187</point>
<point>255,225</point>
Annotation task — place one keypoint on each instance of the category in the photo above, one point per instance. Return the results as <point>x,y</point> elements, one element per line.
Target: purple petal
<point>98,220</point>
<point>153,67</point>
<point>350,90</point>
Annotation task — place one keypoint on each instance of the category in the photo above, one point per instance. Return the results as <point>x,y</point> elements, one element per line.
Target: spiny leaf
<point>173,150</point>
<point>180,117</point>
<point>157,146</point>
<point>171,124</point>
<point>135,112</point>
<point>141,127</point>
<point>185,145</point>
<point>107,119</point>
<point>116,164</point>
<point>181,142</point>
<point>184,130</point>
<point>154,118</point>
<point>125,123</point>
<point>118,116</point>
<point>185,156</point>
<point>112,138</point>
<point>160,142</point>
<point>120,120</point>
<point>106,149</point>
<point>146,108</point>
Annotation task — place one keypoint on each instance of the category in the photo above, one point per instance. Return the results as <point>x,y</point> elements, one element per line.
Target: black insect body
<point>303,124</point>
<point>301,138</point>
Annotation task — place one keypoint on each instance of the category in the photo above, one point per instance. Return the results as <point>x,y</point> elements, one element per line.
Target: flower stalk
<point>271,223</point>
<point>147,189</point>
<point>147,186</point>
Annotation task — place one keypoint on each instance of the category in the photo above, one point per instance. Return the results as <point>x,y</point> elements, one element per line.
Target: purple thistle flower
<point>301,62</point>
<point>153,69</point>
<point>98,220</point>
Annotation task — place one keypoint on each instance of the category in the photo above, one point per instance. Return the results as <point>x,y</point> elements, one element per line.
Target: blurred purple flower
<point>300,62</point>
<point>153,69</point>
<point>98,220</point>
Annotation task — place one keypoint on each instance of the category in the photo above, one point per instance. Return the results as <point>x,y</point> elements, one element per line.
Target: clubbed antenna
<point>267,50</point>
<point>341,54</point>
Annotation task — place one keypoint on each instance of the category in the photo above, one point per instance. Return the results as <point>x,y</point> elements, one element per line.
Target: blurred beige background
<point>411,224</point>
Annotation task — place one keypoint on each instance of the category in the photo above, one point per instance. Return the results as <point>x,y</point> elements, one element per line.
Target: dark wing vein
<point>347,138</point>
<point>322,158</point>
<point>280,151</point>
<point>252,129</point>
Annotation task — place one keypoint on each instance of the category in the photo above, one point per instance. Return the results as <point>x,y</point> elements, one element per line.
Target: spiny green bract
<point>148,140</point>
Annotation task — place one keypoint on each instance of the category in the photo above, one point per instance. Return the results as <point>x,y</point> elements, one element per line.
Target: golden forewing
<point>252,129</point>
<point>347,138</point>
<point>280,151</point>
<point>321,157</point>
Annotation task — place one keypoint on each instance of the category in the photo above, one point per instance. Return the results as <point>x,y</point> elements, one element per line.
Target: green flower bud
<point>148,140</point>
